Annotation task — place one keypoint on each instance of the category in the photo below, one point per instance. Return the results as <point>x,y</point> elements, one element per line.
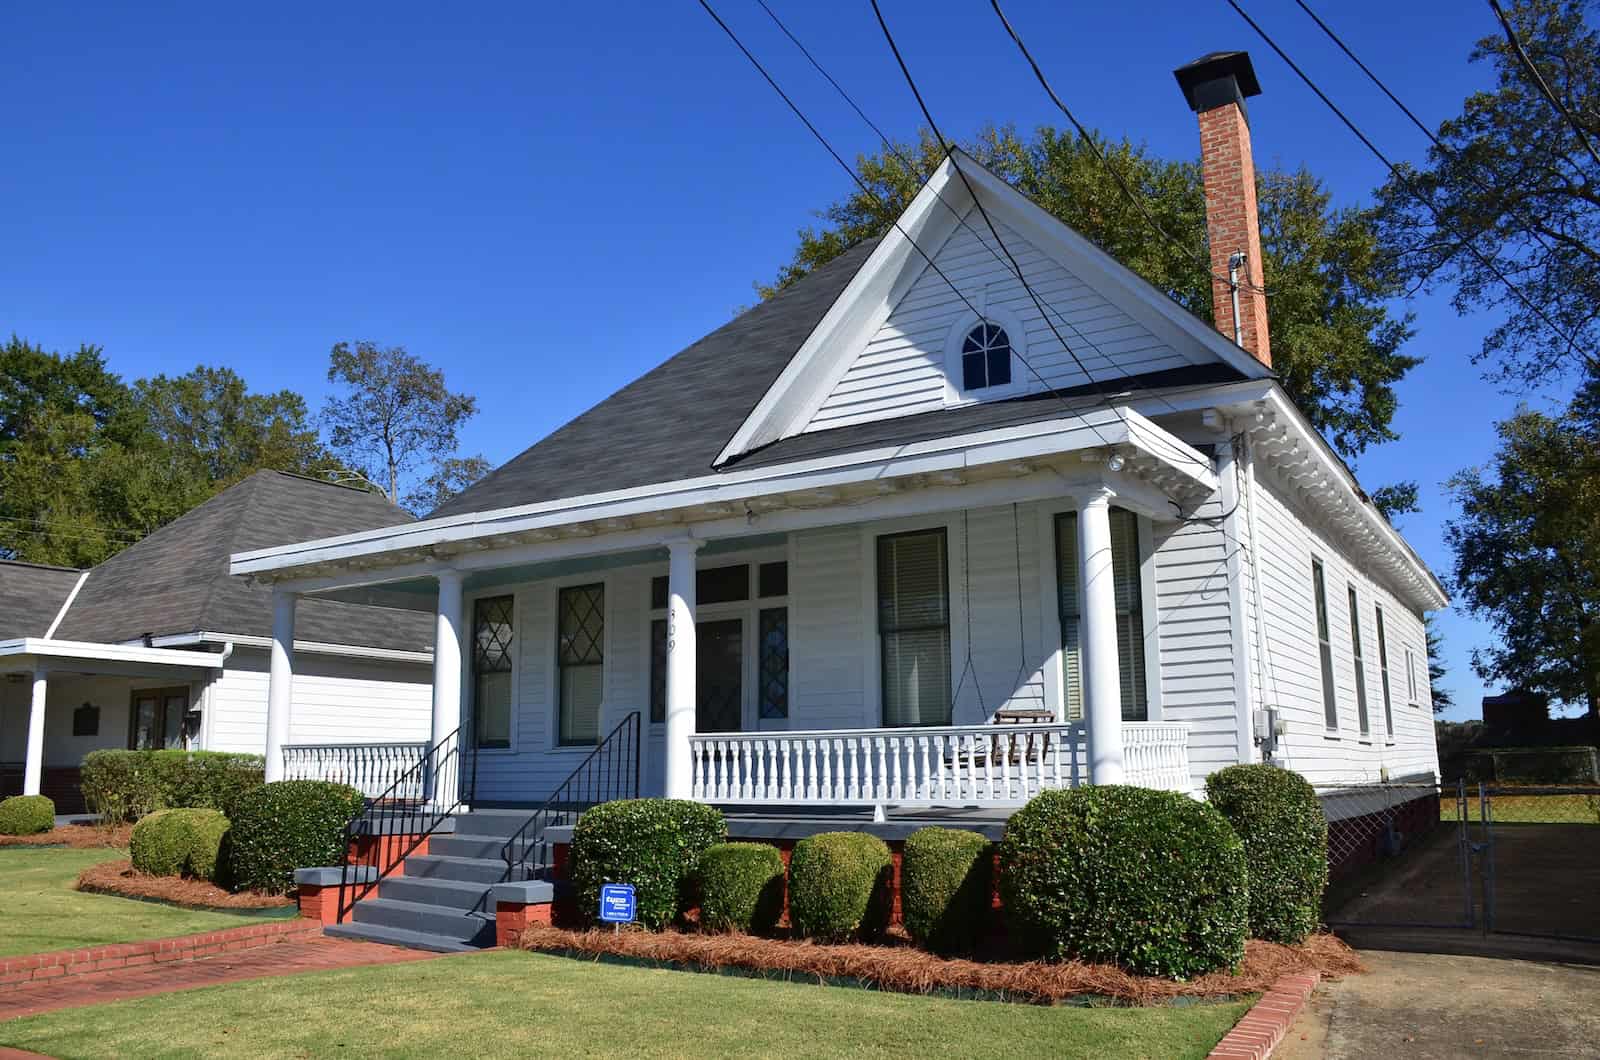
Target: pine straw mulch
<point>120,878</point>
<point>906,969</point>
<point>82,836</point>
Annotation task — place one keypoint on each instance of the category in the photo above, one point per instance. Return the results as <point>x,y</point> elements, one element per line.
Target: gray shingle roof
<point>30,596</point>
<point>673,421</point>
<point>176,580</point>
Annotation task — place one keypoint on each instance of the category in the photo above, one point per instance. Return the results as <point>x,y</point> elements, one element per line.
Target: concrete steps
<point>442,901</point>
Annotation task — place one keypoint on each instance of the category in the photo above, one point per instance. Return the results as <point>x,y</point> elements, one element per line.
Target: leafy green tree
<point>1443,698</point>
<point>1514,184</point>
<point>449,477</point>
<point>1527,551</point>
<point>1334,341</point>
<point>33,381</point>
<point>393,416</point>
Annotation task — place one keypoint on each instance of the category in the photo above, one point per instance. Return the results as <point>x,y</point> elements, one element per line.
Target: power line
<point>1449,152</point>
<point>862,184</point>
<point>978,203</point>
<point>912,167</point>
<point>1406,181</point>
<point>72,523</point>
<point>1105,163</point>
<point>1538,79</point>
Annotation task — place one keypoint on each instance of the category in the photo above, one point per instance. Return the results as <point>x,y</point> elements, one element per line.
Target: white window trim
<point>469,677</point>
<point>955,542</point>
<point>954,394</point>
<point>1050,611</point>
<point>553,744</point>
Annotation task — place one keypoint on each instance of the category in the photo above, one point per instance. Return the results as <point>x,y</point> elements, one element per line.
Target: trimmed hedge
<point>1285,833</point>
<point>741,887</point>
<point>27,815</point>
<point>945,877</point>
<point>125,785</point>
<point>839,886</point>
<point>287,825</point>
<point>653,844</point>
<point>178,843</point>
<point>1151,880</point>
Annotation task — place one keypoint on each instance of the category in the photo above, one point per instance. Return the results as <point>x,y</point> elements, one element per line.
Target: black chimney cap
<point>1218,79</point>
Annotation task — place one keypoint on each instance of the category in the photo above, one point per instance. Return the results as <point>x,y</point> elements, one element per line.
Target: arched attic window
<point>983,357</point>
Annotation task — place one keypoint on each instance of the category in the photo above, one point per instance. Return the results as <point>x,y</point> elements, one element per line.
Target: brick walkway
<point>312,953</point>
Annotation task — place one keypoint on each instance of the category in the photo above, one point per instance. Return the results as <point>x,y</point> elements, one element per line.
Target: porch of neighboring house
<point>60,700</point>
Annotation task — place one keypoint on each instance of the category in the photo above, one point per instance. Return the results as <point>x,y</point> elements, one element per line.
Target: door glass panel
<point>174,708</point>
<point>719,682</point>
<point>145,712</point>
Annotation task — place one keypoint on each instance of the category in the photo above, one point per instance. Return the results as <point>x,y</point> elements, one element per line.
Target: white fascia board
<point>65,604</point>
<point>117,653</point>
<point>1102,272</point>
<point>866,301</point>
<point>314,647</point>
<point>1095,428</point>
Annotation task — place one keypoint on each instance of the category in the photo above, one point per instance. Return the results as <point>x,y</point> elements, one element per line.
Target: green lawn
<point>1530,809</point>
<point>509,1003</point>
<point>40,911</point>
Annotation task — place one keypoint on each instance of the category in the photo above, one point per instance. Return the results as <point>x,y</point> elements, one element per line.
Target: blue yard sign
<point>616,903</point>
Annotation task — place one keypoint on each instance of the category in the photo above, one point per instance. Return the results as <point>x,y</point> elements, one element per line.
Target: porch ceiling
<point>1036,459</point>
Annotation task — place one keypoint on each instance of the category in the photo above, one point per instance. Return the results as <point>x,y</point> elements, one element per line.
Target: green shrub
<point>741,887</point>
<point>945,877</point>
<point>27,815</point>
<point>1277,815</point>
<point>287,825</point>
<point>125,785</point>
<point>1150,880</point>
<point>178,843</point>
<point>839,886</point>
<point>653,844</point>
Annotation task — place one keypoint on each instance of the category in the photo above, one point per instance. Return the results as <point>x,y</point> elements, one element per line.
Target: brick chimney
<point>1216,87</point>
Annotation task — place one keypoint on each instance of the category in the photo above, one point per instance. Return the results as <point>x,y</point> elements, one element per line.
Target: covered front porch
<point>957,624</point>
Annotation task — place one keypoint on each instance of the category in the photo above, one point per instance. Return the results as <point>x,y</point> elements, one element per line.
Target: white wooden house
<point>824,550</point>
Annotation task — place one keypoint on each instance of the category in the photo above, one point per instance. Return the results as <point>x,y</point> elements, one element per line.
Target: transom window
<point>985,357</point>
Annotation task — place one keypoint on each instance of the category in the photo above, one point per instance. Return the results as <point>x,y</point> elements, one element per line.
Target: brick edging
<point>34,967</point>
<point>1263,1027</point>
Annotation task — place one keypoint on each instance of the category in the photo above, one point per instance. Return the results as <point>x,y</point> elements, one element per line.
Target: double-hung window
<point>493,632</point>
<point>1360,662</point>
<point>1383,671</point>
<point>1330,704</point>
<point>914,628</point>
<point>1130,614</point>
<point>580,660</point>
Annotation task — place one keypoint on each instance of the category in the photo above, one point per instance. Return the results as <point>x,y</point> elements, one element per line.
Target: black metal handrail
<point>610,771</point>
<point>414,806</point>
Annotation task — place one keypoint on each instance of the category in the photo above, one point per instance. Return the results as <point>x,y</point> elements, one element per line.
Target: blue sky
<point>546,200</point>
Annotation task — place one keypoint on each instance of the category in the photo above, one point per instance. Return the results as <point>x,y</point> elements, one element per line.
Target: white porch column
<point>1102,684</point>
<point>33,768</point>
<point>447,660</point>
<point>680,665</point>
<point>280,681</point>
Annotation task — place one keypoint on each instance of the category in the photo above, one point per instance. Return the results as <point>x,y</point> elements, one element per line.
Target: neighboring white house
<point>159,647</point>
<point>824,549</point>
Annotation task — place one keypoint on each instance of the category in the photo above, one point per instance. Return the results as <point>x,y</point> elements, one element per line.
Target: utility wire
<point>1444,148</point>
<point>1400,175</point>
<point>1538,79</point>
<point>977,202</point>
<point>1105,161</point>
<point>862,184</point>
<point>912,167</point>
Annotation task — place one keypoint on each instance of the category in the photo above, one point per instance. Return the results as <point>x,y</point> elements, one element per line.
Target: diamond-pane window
<point>985,357</point>
<point>580,658</point>
<point>493,634</point>
<point>658,670</point>
<point>773,678</point>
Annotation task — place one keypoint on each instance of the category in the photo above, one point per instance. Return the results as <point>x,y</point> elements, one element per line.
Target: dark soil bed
<point>74,835</point>
<point>119,878</point>
<point>906,969</point>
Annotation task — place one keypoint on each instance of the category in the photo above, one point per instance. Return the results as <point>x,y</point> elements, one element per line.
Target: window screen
<point>914,628</point>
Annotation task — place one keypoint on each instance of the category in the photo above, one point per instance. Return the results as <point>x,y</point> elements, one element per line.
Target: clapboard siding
<point>1194,638</point>
<point>1292,667</point>
<point>901,371</point>
<point>827,631</point>
<point>335,701</point>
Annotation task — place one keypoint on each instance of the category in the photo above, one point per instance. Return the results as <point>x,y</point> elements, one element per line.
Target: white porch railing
<point>963,765</point>
<point>370,768</point>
